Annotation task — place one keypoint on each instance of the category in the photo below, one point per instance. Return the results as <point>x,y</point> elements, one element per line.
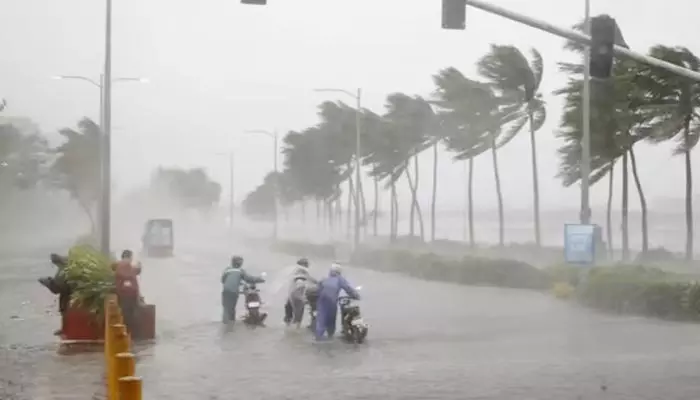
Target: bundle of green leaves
<point>90,275</point>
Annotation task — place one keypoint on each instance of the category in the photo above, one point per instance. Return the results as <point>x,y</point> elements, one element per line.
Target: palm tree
<point>617,124</point>
<point>413,119</point>
<point>472,119</point>
<point>673,104</point>
<point>517,82</point>
<point>76,168</point>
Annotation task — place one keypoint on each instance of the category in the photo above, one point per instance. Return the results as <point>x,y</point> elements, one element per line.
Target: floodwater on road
<point>427,340</point>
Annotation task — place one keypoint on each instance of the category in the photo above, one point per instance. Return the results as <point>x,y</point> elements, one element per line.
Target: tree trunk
<point>535,184</point>
<point>642,203</point>
<point>329,210</point>
<point>303,212</point>
<point>338,212</point>
<point>625,210</point>
<point>394,213</point>
<point>419,213</point>
<point>376,206</point>
<point>470,204</point>
<point>412,214</point>
<point>318,211</point>
<point>608,212</point>
<point>433,204</point>
<point>499,194</point>
<point>688,196</point>
<point>363,204</point>
<point>91,218</point>
<point>413,186</point>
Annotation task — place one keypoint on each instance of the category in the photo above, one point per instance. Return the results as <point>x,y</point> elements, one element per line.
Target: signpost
<point>580,244</point>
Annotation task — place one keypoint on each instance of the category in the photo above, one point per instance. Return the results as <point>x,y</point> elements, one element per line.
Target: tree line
<point>478,116</point>
<point>27,160</point>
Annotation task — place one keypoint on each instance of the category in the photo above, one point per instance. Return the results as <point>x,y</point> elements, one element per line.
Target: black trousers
<point>129,306</point>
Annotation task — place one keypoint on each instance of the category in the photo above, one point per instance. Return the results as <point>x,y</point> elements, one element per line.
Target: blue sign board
<point>579,244</point>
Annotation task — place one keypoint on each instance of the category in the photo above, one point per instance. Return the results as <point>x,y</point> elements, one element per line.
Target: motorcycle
<point>311,299</point>
<point>253,303</point>
<point>354,329</point>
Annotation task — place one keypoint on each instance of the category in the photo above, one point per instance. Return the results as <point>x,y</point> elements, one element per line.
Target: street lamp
<point>358,154</point>
<point>273,135</point>
<point>105,86</point>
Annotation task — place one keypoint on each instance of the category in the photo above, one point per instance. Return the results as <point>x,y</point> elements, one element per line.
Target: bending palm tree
<point>517,83</point>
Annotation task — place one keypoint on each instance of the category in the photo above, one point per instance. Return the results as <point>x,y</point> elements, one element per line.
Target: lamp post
<point>275,138</point>
<point>104,86</point>
<point>358,154</point>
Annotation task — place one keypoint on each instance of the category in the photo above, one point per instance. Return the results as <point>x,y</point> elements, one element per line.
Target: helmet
<point>304,262</point>
<point>236,261</point>
<point>335,269</point>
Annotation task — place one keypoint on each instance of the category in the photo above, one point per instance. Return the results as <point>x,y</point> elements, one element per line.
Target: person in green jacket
<point>231,279</point>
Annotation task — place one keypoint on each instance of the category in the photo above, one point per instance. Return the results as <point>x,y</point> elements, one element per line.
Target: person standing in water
<point>127,287</point>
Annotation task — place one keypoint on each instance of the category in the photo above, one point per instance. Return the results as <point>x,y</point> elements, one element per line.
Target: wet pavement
<point>427,340</point>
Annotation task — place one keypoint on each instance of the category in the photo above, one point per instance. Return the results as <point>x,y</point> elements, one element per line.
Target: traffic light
<point>454,14</point>
<point>603,34</point>
<point>255,2</point>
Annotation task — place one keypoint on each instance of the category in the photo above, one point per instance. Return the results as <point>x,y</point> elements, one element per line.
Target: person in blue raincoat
<point>327,304</point>
<point>231,279</point>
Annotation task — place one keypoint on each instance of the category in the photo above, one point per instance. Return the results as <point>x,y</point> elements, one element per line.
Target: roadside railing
<point>120,363</point>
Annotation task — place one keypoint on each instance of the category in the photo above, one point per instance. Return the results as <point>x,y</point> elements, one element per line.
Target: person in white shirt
<point>296,299</point>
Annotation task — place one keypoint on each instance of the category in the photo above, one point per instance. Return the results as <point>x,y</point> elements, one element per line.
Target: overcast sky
<point>218,68</point>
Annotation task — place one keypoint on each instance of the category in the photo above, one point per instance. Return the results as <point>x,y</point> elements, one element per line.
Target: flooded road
<point>427,340</point>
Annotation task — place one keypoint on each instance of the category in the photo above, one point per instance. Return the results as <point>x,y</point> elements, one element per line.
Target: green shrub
<point>90,275</point>
<point>468,270</point>
<point>642,291</point>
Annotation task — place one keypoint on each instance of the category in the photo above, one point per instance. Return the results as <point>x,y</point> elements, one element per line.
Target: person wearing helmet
<point>231,279</point>
<point>296,299</point>
<point>327,303</point>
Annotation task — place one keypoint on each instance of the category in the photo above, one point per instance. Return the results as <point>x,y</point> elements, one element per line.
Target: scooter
<point>354,329</point>
<point>255,316</point>
<point>311,299</point>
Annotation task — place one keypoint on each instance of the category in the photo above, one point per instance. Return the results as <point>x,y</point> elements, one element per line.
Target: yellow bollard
<point>125,365</point>
<point>111,318</point>
<point>120,344</point>
<point>130,388</point>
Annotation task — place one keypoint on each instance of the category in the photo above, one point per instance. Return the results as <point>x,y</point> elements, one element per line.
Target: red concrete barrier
<point>83,326</point>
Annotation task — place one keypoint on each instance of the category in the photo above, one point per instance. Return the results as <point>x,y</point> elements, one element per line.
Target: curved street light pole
<point>275,138</point>
<point>105,149</point>
<point>358,155</point>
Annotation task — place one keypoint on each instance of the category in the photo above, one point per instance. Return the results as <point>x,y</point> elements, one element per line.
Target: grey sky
<point>218,68</point>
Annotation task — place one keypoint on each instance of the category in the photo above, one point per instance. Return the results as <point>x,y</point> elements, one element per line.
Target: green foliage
<point>639,290</point>
<point>90,275</point>
<point>261,201</point>
<point>191,188</point>
<point>23,156</point>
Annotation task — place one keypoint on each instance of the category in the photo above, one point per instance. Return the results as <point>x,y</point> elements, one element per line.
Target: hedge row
<point>618,289</point>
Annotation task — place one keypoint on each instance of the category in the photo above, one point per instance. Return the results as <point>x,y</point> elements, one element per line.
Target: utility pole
<point>275,138</point>
<point>358,166</point>
<point>585,167</point>
<point>231,204</point>
<point>105,203</point>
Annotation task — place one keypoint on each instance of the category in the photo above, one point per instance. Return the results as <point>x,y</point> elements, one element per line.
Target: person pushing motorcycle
<point>231,279</point>
<point>327,303</point>
<point>296,299</point>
